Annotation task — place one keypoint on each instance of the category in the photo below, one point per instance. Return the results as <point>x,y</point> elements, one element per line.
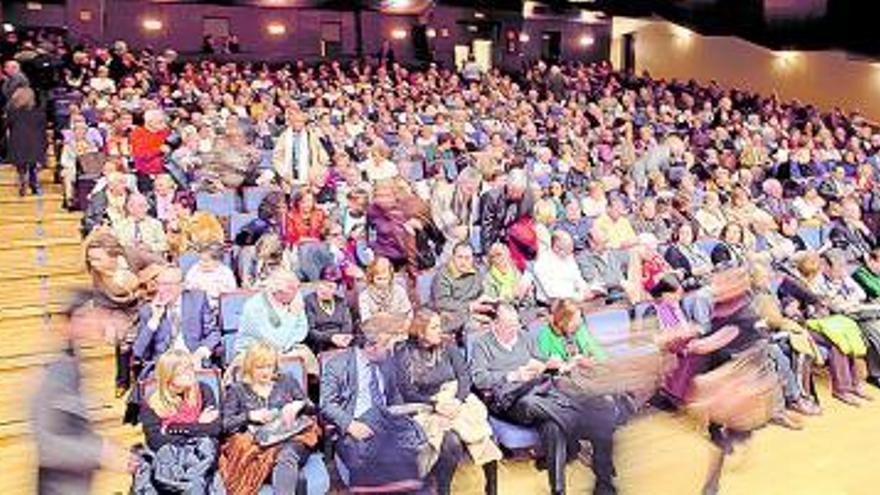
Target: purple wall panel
<point>183,26</point>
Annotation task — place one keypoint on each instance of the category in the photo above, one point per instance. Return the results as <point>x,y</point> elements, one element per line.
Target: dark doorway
<point>551,46</point>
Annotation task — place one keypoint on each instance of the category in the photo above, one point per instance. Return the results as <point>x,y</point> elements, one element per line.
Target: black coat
<point>27,136</point>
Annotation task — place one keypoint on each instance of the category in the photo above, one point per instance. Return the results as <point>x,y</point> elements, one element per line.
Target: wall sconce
<point>524,37</point>
<point>276,29</point>
<point>85,15</point>
<point>431,33</point>
<point>34,6</point>
<point>398,33</point>
<point>151,24</point>
<point>479,15</point>
<point>785,59</point>
<point>444,33</point>
<point>587,40</point>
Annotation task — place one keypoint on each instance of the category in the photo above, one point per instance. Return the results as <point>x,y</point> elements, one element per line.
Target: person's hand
<point>209,415</point>
<point>460,232</point>
<point>260,416</point>
<point>360,431</point>
<point>449,408</point>
<point>554,363</point>
<point>118,459</point>
<point>201,354</point>
<point>341,339</point>
<point>289,413</point>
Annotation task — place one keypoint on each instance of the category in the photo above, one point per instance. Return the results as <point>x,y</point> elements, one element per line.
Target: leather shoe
<point>847,398</point>
<point>873,380</point>
<point>786,420</point>
<point>860,393</point>
<point>805,407</point>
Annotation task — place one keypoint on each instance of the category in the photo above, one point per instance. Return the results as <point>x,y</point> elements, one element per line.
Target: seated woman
<point>383,294</point>
<point>504,282</point>
<point>305,221</point>
<point>731,251</point>
<point>693,264</point>
<point>329,316</point>
<point>276,315</point>
<point>793,349</point>
<point>433,371</point>
<point>847,297</point>
<point>210,275</point>
<point>270,219</point>
<point>804,299</point>
<point>183,413</point>
<point>566,336</point>
<point>269,426</point>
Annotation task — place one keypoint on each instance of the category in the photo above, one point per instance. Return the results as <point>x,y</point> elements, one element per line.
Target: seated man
<point>558,275</point>
<point>358,386</point>
<point>141,232</point>
<point>176,319</point>
<point>276,315</point>
<point>107,206</point>
<point>456,289</point>
<point>328,314</point>
<point>612,235</point>
<point>508,372</point>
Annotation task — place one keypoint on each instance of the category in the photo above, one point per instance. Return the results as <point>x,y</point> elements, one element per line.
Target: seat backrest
<point>231,304</point>
<point>294,366</point>
<point>238,221</point>
<point>608,325</point>
<point>812,236</point>
<point>187,260</point>
<point>253,196</point>
<point>707,245</point>
<point>222,204</point>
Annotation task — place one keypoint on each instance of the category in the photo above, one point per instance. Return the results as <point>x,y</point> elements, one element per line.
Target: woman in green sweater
<point>566,336</point>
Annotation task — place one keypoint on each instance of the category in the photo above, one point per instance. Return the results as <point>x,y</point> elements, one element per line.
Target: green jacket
<point>552,345</point>
<point>869,282</point>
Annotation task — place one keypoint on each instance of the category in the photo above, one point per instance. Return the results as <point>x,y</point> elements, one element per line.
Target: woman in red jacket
<point>148,149</point>
<point>305,221</point>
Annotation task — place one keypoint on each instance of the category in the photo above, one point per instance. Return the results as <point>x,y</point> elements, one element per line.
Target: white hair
<point>517,179</point>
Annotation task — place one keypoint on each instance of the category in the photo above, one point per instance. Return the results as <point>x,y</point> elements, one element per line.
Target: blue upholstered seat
<point>222,204</point>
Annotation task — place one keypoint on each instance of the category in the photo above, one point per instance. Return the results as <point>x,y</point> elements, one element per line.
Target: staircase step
<point>61,267</point>
<point>39,230</point>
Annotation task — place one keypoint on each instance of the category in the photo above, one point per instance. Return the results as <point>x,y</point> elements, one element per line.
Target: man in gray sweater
<point>519,387</point>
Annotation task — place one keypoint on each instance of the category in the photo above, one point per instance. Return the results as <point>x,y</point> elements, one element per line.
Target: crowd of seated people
<point>401,233</point>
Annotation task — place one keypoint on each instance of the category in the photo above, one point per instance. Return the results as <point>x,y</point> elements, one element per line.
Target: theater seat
<point>812,237</point>
<point>707,245</point>
<point>513,437</point>
<point>237,222</point>
<point>222,204</point>
<point>231,304</point>
<point>253,196</point>
<point>186,261</point>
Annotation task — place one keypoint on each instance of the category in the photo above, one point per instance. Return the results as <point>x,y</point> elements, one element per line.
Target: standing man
<point>298,152</point>
<point>69,451</point>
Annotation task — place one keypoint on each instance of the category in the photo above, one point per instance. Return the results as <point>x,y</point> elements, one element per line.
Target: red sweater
<point>146,149</point>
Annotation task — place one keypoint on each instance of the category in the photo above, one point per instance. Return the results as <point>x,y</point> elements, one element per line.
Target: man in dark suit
<point>358,386</point>
<point>68,449</point>
<point>176,319</point>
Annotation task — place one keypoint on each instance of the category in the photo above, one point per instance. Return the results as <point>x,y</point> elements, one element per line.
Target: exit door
<point>551,46</point>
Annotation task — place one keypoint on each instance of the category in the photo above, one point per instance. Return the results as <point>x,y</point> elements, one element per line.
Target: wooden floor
<point>836,454</point>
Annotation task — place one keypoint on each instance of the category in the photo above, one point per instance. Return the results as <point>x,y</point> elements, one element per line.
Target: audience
<point>563,188</point>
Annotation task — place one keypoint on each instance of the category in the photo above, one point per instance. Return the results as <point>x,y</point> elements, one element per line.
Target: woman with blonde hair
<point>270,426</point>
<point>383,294</point>
<point>26,127</point>
<point>433,372</point>
<point>181,421</point>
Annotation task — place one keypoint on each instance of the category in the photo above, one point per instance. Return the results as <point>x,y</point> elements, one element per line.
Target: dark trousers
<point>144,183</point>
<point>123,367</point>
<point>27,176</point>
<point>285,473</point>
<point>561,427</point>
<point>451,454</point>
